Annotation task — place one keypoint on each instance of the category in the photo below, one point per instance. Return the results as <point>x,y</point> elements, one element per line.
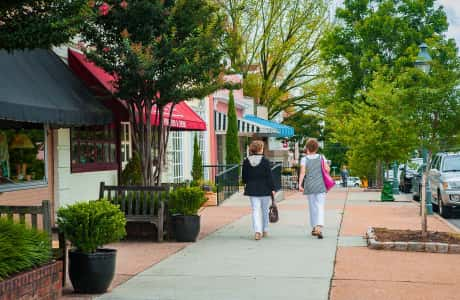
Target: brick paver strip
<point>362,274</point>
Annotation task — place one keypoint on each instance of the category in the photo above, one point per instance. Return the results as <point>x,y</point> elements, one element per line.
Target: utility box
<point>387,192</point>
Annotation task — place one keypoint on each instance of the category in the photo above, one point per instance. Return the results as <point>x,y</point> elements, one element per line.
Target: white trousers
<point>260,207</point>
<point>316,205</point>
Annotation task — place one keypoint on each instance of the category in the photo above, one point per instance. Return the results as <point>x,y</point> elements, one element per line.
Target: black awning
<point>37,87</point>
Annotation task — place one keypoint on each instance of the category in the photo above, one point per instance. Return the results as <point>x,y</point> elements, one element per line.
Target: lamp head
<point>21,141</point>
<point>423,59</point>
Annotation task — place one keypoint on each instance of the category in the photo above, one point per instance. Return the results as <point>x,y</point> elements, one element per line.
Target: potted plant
<point>183,205</point>
<point>88,226</point>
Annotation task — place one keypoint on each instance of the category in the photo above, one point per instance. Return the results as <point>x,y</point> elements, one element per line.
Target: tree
<point>378,40</point>
<point>279,41</point>
<point>161,53</point>
<point>232,148</point>
<point>306,125</point>
<point>28,24</point>
<point>197,165</point>
<point>382,106</point>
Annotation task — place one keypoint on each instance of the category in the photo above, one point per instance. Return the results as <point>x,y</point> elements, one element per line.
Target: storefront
<point>53,132</point>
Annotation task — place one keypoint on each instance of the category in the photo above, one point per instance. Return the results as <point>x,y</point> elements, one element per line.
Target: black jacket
<point>258,178</point>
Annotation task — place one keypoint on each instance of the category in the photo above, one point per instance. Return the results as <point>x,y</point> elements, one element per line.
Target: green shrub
<point>21,248</point>
<point>89,225</point>
<point>132,174</point>
<point>186,200</point>
<point>197,166</point>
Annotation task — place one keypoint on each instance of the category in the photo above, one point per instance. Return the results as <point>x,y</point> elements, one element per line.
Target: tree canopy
<point>278,42</point>
<point>28,24</point>
<point>382,107</point>
<point>161,53</point>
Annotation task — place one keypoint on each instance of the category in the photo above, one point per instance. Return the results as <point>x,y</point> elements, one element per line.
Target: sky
<point>452,9</point>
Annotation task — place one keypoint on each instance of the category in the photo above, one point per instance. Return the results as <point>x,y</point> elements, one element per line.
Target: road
<point>455,220</point>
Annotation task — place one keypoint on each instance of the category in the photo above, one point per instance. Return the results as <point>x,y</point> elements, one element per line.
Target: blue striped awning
<point>285,131</point>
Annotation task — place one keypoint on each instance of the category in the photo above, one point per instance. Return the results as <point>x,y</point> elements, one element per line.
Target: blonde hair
<point>311,145</point>
<point>256,147</point>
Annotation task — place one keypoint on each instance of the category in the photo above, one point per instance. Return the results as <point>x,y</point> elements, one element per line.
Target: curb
<point>450,225</point>
<point>372,243</point>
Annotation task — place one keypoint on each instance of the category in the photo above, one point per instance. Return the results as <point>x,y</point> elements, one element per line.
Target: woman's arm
<point>244,173</point>
<point>326,165</point>
<point>271,182</point>
<point>301,176</point>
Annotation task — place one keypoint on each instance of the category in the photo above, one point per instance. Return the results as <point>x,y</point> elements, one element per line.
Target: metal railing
<point>226,178</point>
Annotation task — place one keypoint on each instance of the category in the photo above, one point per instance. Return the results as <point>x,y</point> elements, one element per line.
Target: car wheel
<point>416,197</point>
<point>435,205</point>
<point>443,210</point>
<point>356,185</point>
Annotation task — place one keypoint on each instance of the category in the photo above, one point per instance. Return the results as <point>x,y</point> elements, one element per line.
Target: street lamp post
<point>423,63</point>
<point>395,179</point>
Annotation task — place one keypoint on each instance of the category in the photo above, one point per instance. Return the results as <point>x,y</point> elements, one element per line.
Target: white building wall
<point>72,187</point>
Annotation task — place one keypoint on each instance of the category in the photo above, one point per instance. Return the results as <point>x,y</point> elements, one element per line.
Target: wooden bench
<point>141,204</point>
<point>9,211</point>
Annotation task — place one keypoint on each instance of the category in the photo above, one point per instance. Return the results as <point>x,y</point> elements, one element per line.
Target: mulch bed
<point>393,235</point>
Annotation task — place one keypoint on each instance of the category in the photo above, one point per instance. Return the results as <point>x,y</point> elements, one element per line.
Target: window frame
<point>94,166</point>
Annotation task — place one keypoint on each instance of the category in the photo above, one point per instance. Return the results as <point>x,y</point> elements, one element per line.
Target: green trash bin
<point>387,191</point>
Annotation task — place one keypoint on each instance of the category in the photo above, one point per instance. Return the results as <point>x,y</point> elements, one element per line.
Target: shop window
<point>125,144</point>
<point>93,149</point>
<point>22,156</point>
<point>175,157</point>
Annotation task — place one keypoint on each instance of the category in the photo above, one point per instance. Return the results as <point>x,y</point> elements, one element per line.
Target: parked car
<point>354,181</point>
<point>444,177</point>
<point>407,173</point>
<point>351,182</point>
<point>417,183</point>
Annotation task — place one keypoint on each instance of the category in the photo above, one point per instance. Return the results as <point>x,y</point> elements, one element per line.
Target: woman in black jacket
<point>259,186</point>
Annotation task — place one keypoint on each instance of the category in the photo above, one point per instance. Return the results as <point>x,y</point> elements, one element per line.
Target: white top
<point>303,161</point>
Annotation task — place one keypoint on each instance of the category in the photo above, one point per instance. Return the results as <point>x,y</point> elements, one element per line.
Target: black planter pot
<point>92,273</point>
<point>186,228</point>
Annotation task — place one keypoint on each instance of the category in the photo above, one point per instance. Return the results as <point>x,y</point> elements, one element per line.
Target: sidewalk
<point>363,274</point>
<point>229,264</point>
<point>290,264</point>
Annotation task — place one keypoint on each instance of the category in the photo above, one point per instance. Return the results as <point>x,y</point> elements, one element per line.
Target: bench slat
<point>34,220</point>
<point>146,196</point>
<point>20,209</point>
<point>130,203</point>
<point>22,218</point>
<point>123,201</point>
<point>138,202</point>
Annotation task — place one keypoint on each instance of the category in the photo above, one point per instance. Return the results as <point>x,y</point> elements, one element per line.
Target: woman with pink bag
<point>317,182</point>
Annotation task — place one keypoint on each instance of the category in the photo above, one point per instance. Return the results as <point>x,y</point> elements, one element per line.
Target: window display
<point>93,149</point>
<point>22,156</point>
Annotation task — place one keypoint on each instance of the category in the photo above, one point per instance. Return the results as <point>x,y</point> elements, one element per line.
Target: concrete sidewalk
<point>229,264</point>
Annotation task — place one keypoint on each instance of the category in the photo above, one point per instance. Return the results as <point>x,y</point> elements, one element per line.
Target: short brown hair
<point>311,145</point>
<point>256,147</point>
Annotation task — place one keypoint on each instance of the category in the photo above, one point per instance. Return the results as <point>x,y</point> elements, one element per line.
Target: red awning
<point>183,117</point>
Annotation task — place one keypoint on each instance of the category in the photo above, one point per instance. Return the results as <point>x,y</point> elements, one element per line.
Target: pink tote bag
<point>328,181</point>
